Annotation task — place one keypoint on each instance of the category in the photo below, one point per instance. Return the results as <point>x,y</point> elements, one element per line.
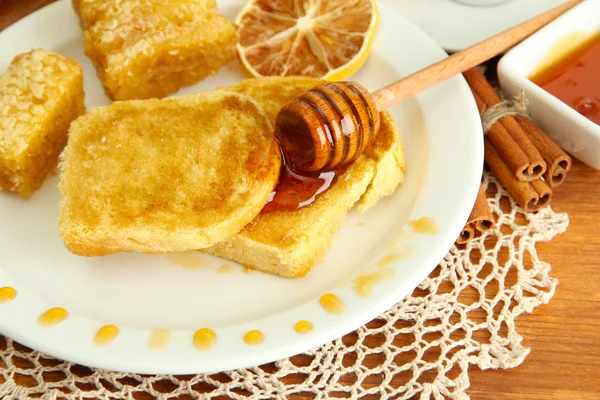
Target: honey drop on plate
<point>53,316</point>
<point>425,226</point>
<point>303,327</point>
<point>7,294</point>
<point>254,337</point>
<point>332,303</point>
<point>205,339</point>
<point>159,338</point>
<point>105,335</point>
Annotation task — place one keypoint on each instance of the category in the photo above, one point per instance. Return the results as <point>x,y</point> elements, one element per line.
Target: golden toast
<point>165,175</point>
<point>150,48</point>
<point>290,243</point>
<point>40,94</point>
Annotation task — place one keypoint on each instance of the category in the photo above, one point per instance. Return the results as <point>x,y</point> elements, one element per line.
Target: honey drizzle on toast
<point>296,190</point>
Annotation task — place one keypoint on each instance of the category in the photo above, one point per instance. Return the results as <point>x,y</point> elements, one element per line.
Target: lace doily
<point>463,314</point>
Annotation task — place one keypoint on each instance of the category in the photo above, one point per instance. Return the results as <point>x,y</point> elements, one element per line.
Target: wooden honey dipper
<point>332,124</point>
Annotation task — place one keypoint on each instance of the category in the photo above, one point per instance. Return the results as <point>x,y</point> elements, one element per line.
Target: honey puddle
<point>424,226</point>
<point>303,327</point>
<point>53,316</point>
<point>159,338</point>
<point>247,269</point>
<point>188,259</point>
<point>254,337</point>
<point>225,269</point>
<point>403,234</point>
<point>7,294</point>
<point>332,303</point>
<point>390,258</point>
<point>205,339</point>
<point>364,283</point>
<point>404,252</point>
<point>105,335</point>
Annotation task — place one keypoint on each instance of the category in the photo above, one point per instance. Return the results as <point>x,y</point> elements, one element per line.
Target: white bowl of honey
<point>558,70</point>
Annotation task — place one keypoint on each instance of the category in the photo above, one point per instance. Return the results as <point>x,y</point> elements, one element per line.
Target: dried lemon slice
<point>329,39</point>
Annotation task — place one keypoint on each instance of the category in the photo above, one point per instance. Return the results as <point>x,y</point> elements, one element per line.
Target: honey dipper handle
<point>464,60</point>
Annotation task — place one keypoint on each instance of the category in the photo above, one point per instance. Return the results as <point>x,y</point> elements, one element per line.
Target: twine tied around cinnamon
<point>517,106</point>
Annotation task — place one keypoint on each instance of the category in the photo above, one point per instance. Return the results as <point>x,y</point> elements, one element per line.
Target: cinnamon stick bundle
<point>526,162</point>
<point>481,218</point>
<point>520,155</point>
<point>531,196</point>
<point>558,162</point>
<point>515,159</point>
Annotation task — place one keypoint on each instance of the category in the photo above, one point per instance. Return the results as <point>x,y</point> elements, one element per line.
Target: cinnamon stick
<point>536,164</point>
<point>544,192</point>
<point>515,159</point>
<point>481,218</point>
<point>467,234</point>
<point>531,196</point>
<point>559,163</point>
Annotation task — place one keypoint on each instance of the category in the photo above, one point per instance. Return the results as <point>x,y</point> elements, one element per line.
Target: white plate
<point>456,26</point>
<point>139,293</point>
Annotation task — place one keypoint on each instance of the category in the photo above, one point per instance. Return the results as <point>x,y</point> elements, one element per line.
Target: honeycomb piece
<point>40,94</point>
<point>146,49</point>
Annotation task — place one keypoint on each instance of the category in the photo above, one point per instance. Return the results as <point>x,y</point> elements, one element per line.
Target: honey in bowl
<point>574,78</point>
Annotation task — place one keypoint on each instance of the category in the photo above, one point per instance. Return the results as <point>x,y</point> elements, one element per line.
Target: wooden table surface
<point>564,335</point>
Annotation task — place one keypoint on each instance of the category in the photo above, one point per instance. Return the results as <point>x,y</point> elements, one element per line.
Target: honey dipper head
<point>327,127</point>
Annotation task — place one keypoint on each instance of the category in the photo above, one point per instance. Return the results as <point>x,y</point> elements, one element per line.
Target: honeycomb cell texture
<point>40,94</point>
<point>150,48</point>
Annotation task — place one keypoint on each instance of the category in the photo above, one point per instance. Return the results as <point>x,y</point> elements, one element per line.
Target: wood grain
<point>564,335</point>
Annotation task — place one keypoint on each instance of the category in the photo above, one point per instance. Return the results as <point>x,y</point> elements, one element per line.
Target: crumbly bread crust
<point>40,94</point>
<point>150,48</point>
<point>165,175</point>
<point>290,243</point>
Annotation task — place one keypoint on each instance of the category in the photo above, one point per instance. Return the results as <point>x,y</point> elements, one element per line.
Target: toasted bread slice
<point>165,175</point>
<point>150,48</point>
<point>290,243</point>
